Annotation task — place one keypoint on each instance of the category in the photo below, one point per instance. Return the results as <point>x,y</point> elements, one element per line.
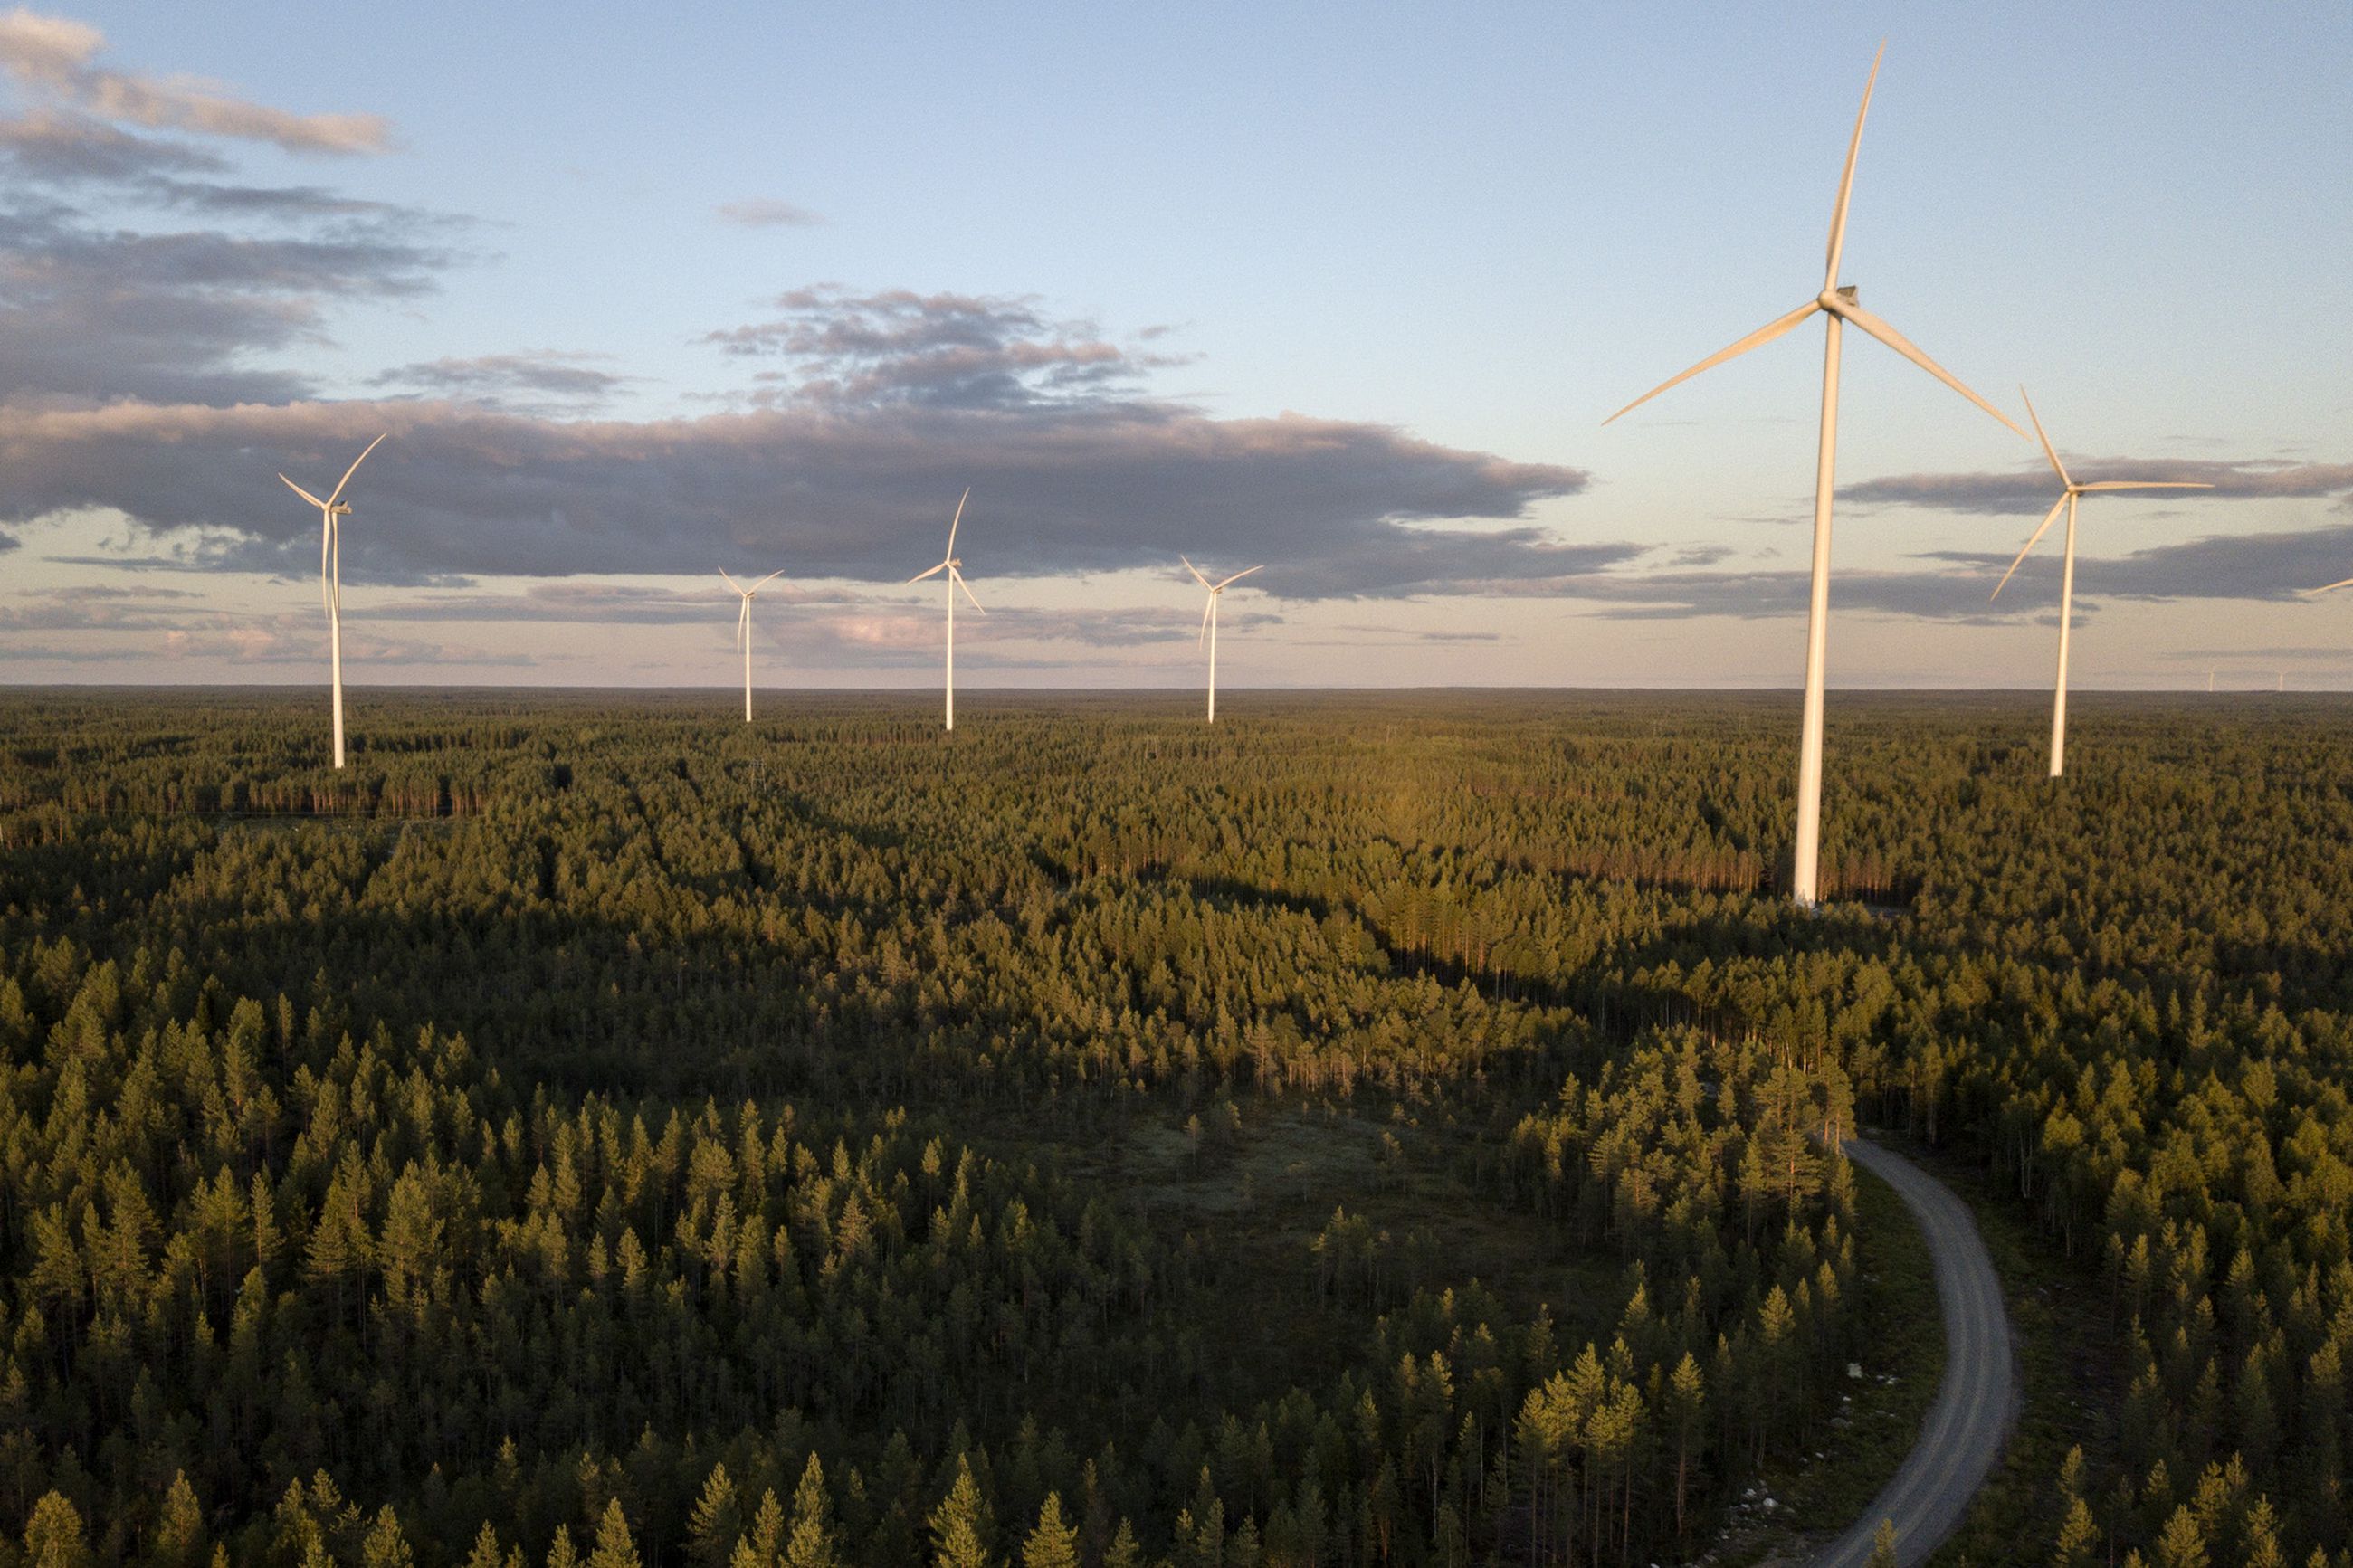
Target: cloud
<point>2031,491</point>
<point>536,380</point>
<point>2276,566</point>
<point>85,607</point>
<point>98,314</point>
<point>54,56</point>
<point>137,375</point>
<point>946,351</point>
<point>766,213</point>
<point>1335,508</point>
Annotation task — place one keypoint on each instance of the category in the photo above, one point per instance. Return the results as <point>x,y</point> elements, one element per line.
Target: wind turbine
<point>2067,573</point>
<point>1209,623</point>
<point>950,565</point>
<point>1839,307</point>
<point>331,575</point>
<point>744,630</point>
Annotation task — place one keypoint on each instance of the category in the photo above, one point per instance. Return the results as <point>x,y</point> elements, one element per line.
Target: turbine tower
<point>331,575</point>
<point>744,630</point>
<point>1209,623</point>
<point>1839,307</point>
<point>953,567</point>
<point>2067,573</point>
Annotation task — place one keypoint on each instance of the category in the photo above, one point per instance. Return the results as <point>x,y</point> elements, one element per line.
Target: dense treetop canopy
<point>589,1128</point>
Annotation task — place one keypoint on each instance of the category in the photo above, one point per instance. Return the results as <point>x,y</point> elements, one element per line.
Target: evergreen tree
<point>1054,1541</point>
<point>960,1525</point>
<point>811,1544</point>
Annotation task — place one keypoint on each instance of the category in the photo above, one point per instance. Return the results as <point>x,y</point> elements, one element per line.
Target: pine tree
<point>385,1546</point>
<point>715,1520</point>
<point>811,1544</point>
<point>53,1535</point>
<point>2079,1535</point>
<point>1123,1551</point>
<point>1054,1543</point>
<point>960,1524</point>
<point>614,1549</point>
<point>179,1526</point>
<point>1882,1545</point>
<point>485,1553</point>
<point>2182,1544</point>
<point>1686,1403</point>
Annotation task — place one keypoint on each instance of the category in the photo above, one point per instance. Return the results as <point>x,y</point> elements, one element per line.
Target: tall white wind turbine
<point>2066,501</point>
<point>331,575</point>
<point>1838,306</point>
<point>953,568</point>
<point>744,628</point>
<point>1209,623</point>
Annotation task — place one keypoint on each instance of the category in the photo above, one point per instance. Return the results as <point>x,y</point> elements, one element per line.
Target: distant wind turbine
<point>2067,573</point>
<point>1209,623</point>
<point>331,575</point>
<point>953,567</point>
<point>1839,306</point>
<point>744,630</point>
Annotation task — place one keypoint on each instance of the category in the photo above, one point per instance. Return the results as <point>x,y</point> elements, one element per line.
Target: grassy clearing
<point>1250,1197</point>
<point>1862,1448</point>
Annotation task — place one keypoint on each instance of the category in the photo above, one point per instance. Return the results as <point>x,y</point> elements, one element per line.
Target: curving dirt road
<point>1976,1403</point>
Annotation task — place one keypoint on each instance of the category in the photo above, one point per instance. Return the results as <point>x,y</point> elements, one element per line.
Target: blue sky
<point>1447,240</point>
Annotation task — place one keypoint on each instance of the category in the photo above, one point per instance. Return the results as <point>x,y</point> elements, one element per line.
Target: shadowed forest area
<point>1383,1131</point>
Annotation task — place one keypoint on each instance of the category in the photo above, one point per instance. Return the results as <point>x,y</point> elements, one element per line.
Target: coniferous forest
<point>1383,1131</point>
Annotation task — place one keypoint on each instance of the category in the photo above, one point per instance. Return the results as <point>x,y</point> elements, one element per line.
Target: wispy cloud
<point>540,380</point>
<point>763,212</point>
<point>2031,490</point>
<point>55,56</point>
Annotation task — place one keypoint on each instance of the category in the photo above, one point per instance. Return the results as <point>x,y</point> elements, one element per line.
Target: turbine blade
<point>1239,575</point>
<point>1764,334</point>
<point>2048,518</point>
<point>355,469</point>
<point>1196,571</point>
<point>958,578</point>
<point>326,529</point>
<point>1846,179</point>
<point>1207,611</point>
<point>2327,587</point>
<point>2059,466</point>
<point>957,518</point>
<point>298,491</point>
<point>933,573</point>
<point>1911,350</point>
<point>2144,485</point>
<point>730,582</point>
<point>743,625</point>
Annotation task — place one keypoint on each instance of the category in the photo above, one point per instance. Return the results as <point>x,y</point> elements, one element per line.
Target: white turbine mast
<point>331,575</point>
<point>1839,307</point>
<point>1209,622</point>
<point>744,628</point>
<point>2069,493</point>
<point>950,564</point>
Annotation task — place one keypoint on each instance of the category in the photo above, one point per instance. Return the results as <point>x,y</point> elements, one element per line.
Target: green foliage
<point>568,1123</point>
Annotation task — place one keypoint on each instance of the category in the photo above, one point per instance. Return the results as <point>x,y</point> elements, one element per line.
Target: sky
<point>1348,291</point>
